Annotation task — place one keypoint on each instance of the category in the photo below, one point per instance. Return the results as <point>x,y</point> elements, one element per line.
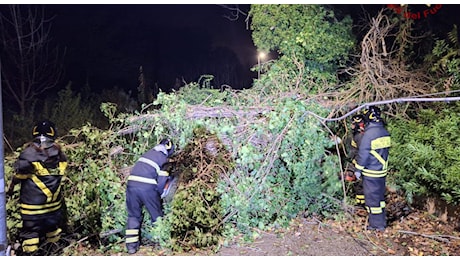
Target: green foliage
<point>424,154</point>
<point>278,161</point>
<point>279,167</point>
<point>13,220</point>
<point>109,110</point>
<point>193,218</point>
<point>444,61</point>
<point>311,42</point>
<point>274,184</point>
<point>93,184</point>
<point>67,111</point>
<point>91,187</point>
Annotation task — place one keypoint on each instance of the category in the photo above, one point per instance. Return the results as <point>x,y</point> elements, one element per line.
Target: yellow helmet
<point>169,146</point>
<point>372,114</point>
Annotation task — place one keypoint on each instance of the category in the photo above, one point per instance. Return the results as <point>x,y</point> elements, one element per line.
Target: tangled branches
<point>202,159</point>
<point>195,218</point>
<point>382,72</point>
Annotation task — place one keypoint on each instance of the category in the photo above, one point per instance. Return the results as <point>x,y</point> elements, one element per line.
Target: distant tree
<point>311,41</point>
<point>30,66</point>
<point>223,64</point>
<point>117,95</point>
<point>68,110</point>
<point>145,94</point>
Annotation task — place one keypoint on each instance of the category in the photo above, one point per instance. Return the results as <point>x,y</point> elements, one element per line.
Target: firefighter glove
<point>358,175</point>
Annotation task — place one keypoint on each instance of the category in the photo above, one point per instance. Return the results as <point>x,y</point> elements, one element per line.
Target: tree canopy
<point>309,38</point>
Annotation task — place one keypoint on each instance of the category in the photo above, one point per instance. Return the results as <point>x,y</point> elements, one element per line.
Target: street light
<point>260,56</point>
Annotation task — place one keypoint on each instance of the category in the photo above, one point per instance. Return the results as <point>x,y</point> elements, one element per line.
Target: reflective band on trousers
<point>54,236</point>
<point>376,210</point>
<point>30,245</point>
<point>132,235</point>
<point>132,231</point>
<point>359,198</point>
<point>141,179</point>
<point>132,239</point>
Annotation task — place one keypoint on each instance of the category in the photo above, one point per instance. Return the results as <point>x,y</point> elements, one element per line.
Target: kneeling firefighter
<point>146,185</point>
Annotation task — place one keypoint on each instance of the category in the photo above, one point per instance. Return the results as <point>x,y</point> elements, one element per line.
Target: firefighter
<point>372,163</point>
<point>40,169</point>
<point>145,186</point>
<point>357,127</point>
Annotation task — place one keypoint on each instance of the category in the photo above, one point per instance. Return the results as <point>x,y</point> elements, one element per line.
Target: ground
<point>417,234</point>
<point>410,232</point>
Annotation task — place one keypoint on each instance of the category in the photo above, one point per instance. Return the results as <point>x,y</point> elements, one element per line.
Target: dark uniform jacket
<point>40,172</point>
<point>148,170</point>
<point>355,142</point>
<point>372,158</point>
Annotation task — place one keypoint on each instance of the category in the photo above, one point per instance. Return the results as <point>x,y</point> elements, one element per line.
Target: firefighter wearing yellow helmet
<point>146,184</point>
<point>372,164</point>
<point>39,170</point>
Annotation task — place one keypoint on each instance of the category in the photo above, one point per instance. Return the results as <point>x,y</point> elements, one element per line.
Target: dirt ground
<point>303,238</point>
<point>417,234</point>
<point>409,233</point>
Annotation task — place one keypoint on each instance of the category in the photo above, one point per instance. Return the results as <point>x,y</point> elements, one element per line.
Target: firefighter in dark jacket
<point>372,164</point>
<point>145,185</point>
<point>40,169</point>
<point>357,134</point>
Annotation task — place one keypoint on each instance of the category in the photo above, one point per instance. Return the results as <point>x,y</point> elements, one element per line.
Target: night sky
<point>107,43</point>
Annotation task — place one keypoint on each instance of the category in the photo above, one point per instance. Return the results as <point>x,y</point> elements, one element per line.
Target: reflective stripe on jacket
<point>40,172</point>
<point>147,169</point>
<point>372,157</point>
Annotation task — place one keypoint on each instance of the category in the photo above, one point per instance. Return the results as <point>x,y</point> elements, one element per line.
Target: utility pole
<point>3,240</point>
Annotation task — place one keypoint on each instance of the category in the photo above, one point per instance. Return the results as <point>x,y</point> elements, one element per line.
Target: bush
<point>424,154</point>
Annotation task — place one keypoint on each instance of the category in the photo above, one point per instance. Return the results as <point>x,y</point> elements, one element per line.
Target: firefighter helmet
<point>372,114</point>
<point>169,146</point>
<point>357,123</point>
<point>357,118</point>
<point>44,128</point>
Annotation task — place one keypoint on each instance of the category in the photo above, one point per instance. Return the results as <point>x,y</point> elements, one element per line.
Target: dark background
<point>107,43</point>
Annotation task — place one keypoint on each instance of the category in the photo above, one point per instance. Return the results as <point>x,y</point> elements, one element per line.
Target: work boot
<point>132,250</point>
